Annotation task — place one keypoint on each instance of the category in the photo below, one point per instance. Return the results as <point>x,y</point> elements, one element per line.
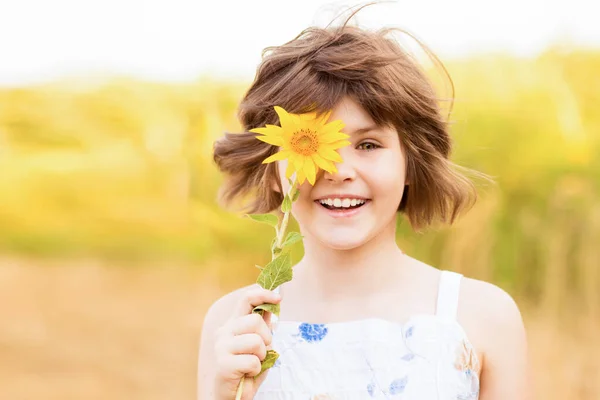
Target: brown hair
<point>313,72</point>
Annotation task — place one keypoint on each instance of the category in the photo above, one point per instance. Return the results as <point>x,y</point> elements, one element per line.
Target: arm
<point>214,319</point>
<point>505,373</point>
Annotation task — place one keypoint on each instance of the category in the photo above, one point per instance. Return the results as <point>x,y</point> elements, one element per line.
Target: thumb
<point>254,384</point>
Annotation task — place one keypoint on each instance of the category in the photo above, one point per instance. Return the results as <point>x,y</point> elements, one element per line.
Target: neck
<point>333,273</point>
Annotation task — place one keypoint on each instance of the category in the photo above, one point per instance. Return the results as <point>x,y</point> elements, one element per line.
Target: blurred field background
<point>112,245</point>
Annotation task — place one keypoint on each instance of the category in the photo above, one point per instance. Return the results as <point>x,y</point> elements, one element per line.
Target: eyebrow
<point>362,131</point>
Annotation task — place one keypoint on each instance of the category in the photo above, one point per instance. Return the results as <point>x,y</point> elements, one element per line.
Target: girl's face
<point>372,173</point>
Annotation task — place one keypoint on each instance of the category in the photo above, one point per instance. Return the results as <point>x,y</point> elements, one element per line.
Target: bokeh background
<point>112,246</point>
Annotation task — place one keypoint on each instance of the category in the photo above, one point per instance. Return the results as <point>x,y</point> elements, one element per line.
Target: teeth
<point>342,203</point>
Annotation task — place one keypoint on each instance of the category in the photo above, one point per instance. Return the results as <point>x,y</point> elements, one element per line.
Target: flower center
<point>305,142</point>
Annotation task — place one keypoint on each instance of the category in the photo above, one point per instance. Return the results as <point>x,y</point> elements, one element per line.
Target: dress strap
<point>448,293</point>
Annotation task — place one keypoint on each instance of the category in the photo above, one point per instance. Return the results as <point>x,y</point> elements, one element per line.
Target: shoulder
<point>491,318</point>
<point>488,301</point>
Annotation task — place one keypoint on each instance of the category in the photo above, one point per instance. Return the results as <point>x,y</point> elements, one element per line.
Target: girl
<point>360,319</point>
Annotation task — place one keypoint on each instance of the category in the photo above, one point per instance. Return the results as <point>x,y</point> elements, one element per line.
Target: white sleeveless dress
<point>425,358</point>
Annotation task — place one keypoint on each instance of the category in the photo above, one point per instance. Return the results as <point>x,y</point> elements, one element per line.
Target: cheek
<point>390,175</point>
<point>390,182</point>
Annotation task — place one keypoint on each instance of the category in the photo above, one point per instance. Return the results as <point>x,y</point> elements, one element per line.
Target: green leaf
<point>296,194</point>
<point>268,362</point>
<point>291,238</point>
<point>290,181</point>
<point>268,219</point>
<point>286,205</point>
<point>276,272</point>
<point>272,308</point>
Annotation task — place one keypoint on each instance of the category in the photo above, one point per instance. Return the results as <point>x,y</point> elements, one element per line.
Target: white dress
<point>428,357</point>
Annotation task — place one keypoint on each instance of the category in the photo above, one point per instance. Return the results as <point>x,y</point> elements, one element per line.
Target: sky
<point>180,40</point>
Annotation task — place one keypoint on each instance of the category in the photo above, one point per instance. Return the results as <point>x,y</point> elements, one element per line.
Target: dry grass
<point>90,331</point>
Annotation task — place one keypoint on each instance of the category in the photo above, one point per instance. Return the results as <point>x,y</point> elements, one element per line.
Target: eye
<point>369,146</point>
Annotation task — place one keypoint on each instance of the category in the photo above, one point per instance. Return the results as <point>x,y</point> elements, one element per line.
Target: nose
<point>345,171</point>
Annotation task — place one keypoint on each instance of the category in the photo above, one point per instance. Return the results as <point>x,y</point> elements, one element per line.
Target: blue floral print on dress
<point>313,332</point>
<point>398,385</point>
<point>408,357</point>
<point>371,389</point>
<point>409,332</point>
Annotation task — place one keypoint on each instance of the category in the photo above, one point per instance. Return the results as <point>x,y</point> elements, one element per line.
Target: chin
<point>342,240</point>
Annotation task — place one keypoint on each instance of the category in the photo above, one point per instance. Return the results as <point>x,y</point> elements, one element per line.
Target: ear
<point>272,177</point>
<point>275,187</point>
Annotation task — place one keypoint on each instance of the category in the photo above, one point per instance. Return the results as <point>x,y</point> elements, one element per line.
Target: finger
<point>243,364</point>
<point>250,343</point>
<point>252,323</point>
<point>259,380</point>
<point>255,297</point>
<point>267,319</point>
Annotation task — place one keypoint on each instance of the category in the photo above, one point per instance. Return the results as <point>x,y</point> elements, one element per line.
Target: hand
<point>241,344</point>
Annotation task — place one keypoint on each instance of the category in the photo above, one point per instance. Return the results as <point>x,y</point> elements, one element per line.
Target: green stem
<point>281,229</point>
<point>286,216</point>
<point>240,389</point>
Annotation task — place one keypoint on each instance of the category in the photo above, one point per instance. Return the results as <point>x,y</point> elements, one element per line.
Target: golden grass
<point>87,330</point>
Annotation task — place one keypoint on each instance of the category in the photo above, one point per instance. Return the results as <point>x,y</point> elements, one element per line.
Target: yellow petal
<point>332,137</point>
<point>289,171</point>
<point>309,170</point>
<point>282,155</point>
<point>322,119</point>
<point>270,130</point>
<point>336,126</point>
<point>323,164</point>
<point>308,117</point>
<point>337,145</point>
<point>292,163</point>
<point>330,154</point>
<point>274,140</point>
<point>285,119</point>
<point>300,176</point>
<point>298,162</point>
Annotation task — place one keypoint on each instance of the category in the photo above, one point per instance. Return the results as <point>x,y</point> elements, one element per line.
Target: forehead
<point>357,120</point>
<point>352,114</point>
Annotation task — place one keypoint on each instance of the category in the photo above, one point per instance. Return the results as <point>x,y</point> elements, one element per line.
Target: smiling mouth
<point>341,208</point>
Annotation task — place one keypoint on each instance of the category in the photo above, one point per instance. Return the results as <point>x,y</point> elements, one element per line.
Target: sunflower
<point>307,141</point>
